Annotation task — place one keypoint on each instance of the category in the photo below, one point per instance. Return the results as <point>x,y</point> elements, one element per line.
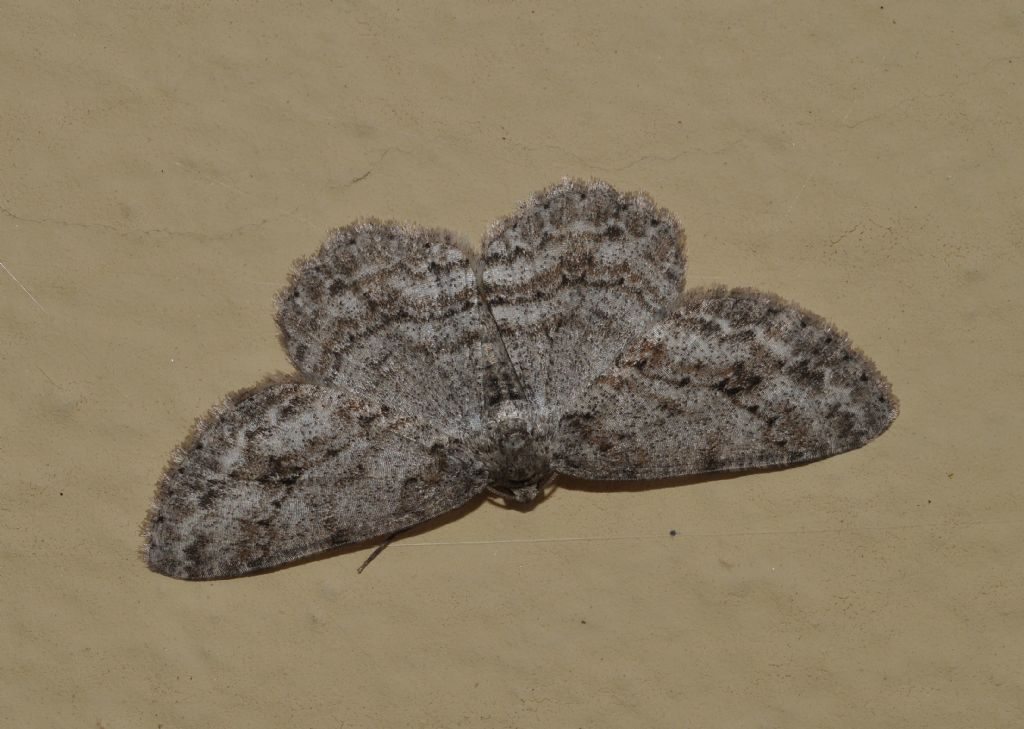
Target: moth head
<point>518,452</point>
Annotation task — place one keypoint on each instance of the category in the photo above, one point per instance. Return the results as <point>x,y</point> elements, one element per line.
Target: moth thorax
<point>518,452</point>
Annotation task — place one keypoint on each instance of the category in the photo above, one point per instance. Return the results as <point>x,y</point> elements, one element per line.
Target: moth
<point>429,374</point>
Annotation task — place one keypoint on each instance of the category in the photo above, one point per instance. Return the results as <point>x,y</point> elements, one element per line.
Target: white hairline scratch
<point>29,293</point>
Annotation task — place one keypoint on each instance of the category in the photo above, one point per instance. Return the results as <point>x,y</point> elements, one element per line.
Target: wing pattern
<point>573,275</point>
<point>391,311</point>
<point>733,380</point>
<point>287,470</point>
<point>427,377</point>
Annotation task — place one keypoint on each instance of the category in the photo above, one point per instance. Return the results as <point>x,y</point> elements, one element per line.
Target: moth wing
<point>289,470</point>
<point>392,312</point>
<point>572,276</point>
<point>733,380</point>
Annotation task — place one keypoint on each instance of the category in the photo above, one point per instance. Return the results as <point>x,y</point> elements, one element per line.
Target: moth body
<point>517,451</point>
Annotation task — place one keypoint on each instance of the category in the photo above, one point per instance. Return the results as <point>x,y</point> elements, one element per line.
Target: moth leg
<point>380,548</point>
<point>513,497</point>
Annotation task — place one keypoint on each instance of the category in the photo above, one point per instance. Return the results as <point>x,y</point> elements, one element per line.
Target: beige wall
<point>162,164</point>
